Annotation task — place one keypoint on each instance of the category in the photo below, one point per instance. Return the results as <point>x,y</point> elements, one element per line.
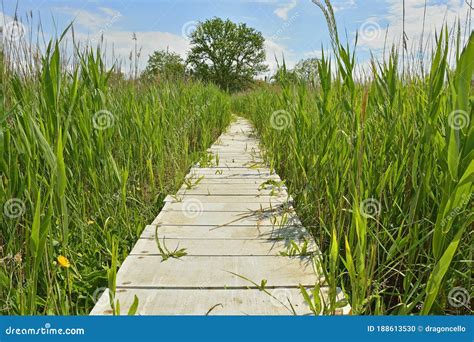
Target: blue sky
<point>295,28</point>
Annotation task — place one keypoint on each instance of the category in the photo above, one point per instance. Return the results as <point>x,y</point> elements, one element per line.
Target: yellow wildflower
<point>63,261</point>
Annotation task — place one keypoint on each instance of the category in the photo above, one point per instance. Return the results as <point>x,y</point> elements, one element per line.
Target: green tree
<point>227,54</point>
<point>165,64</point>
<point>307,70</point>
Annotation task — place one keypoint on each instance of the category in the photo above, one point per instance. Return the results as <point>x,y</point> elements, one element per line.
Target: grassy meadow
<point>382,172</point>
<point>86,159</point>
<point>381,169</point>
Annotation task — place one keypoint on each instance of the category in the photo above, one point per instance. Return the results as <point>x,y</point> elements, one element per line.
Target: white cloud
<point>147,43</point>
<point>97,26</point>
<point>274,52</point>
<point>4,18</point>
<point>282,11</point>
<point>343,5</point>
<point>110,12</point>
<point>314,54</point>
<point>372,32</point>
<point>93,21</point>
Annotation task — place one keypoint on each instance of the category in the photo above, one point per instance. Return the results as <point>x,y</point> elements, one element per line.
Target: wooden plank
<point>229,186</point>
<point>261,199</point>
<point>238,138</point>
<point>195,216</point>
<point>234,146</point>
<point>221,301</point>
<point>234,164</point>
<point>236,158</point>
<point>199,302</point>
<point>214,169</point>
<point>226,232</point>
<point>226,207</point>
<point>227,247</point>
<point>229,152</point>
<point>213,188</point>
<point>246,182</point>
<point>232,189</point>
<point>229,172</point>
<point>254,176</point>
<point>235,149</point>
<point>215,272</point>
<point>236,142</point>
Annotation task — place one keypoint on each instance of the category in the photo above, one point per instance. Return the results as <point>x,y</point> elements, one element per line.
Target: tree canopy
<point>307,69</point>
<point>165,64</point>
<point>228,54</point>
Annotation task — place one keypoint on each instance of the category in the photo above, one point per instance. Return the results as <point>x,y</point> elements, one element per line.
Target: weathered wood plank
<point>227,247</point>
<point>215,271</point>
<point>212,302</point>
<point>231,189</point>
<point>234,164</point>
<point>226,207</point>
<point>230,173</point>
<point>226,232</point>
<point>200,302</point>
<point>229,152</point>
<point>250,176</point>
<point>254,185</point>
<point>194,216</point>
<point>245,182</point>
<point>262,199</point>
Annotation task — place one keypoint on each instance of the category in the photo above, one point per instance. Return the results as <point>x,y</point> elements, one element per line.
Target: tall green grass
<point>86,159</point>
<point>382,172</point>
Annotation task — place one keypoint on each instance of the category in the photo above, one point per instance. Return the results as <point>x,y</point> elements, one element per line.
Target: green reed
<point>382,172</point>
<point>86,159</point>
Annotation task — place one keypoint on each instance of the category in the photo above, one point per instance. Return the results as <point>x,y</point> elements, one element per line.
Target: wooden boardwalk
<point>234,219</point>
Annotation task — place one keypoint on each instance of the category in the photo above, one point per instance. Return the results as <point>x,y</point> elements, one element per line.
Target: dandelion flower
<point>63,261</point>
